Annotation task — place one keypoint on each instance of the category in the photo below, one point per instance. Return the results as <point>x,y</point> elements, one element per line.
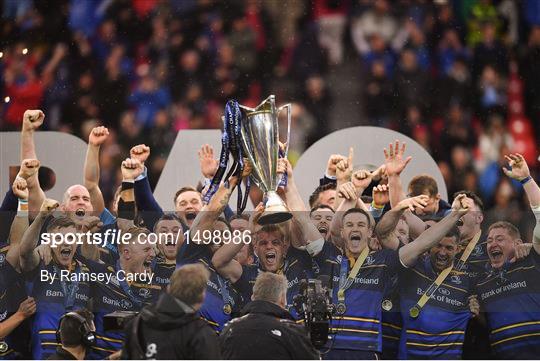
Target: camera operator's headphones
<point>88,337</point>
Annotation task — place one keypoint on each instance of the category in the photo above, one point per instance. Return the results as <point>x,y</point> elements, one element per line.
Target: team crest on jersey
<point>126,304</point>
<point>478,251</point>
<point>72,288</point>
<point>444,291</point>
<point>369,260</point>
<point>456,279</point>
<point>2,258</point>
<point>144,292</point>
<point>339,258</point>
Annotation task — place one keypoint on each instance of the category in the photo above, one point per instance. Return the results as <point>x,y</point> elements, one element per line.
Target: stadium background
<point>460,77</point>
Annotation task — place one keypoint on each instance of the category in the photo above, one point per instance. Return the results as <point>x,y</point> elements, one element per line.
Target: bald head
<point>77,199</point>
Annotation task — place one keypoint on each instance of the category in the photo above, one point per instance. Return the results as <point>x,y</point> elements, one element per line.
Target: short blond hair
<point>512,230</point>
<point>188,283</point>
<point>135,232</point>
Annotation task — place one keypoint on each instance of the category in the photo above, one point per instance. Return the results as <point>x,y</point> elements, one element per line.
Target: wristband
<point>128,184</point>
<point>525,180</point>
<point>331,177</point>
<point>143,175</point>
<point>22,208</point>
<point>129,181</point>
<point>375,206</point>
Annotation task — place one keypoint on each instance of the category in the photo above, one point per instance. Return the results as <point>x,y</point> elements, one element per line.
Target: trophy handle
<point>289,108</point>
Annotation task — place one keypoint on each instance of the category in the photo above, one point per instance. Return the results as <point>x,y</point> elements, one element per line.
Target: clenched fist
<point>131,169</point>
<point>29,167</point>
<point>48,206</point>
<point>20,188</point>
<point>140,152</point>
<point>98,136</point>
<point>32,119</point>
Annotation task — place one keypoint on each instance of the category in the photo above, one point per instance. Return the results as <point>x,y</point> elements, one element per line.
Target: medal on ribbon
<point>387,305</point>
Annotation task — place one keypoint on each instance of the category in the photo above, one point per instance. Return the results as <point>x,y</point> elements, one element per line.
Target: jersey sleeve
<point>190,252</point>
<point>244,285</point>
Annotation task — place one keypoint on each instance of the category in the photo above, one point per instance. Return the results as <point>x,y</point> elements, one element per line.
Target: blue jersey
<point>296,267</point>
<point>478,262</point>
<point>511,299</point>
<point>439,331</point>
<point>162,273</point>
<point>191,252</point>
<point>54,298</point>
<point>219,291</point>
<point>391,321</point>
<point>117,295</point>
<point>360,327</point>
<point>12,292</point>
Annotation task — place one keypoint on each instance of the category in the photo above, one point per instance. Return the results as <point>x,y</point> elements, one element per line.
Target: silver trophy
<point>260,142</point>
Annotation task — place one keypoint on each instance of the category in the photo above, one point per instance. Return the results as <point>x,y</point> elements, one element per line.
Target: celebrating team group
<point>411,276</point>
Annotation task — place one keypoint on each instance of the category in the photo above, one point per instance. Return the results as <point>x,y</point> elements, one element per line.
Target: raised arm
<point>26,309</point>
<point>211,212</point>
<point>223,259</point>
<point>29,256</point>
<point>395,163</point>
<point>20,223</point>
<point>385,229</point>
<point>519,170</point>
<point>130,168</point>
<point>296,205</point>
<point>29,172</point>
<point>32,120</point>
<point>147,206</point>
<point>343,170</point>
<point>409,253</point>
<point>97,137</point>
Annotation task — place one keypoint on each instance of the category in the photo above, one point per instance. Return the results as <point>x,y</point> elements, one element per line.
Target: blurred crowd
<point>460,77</point>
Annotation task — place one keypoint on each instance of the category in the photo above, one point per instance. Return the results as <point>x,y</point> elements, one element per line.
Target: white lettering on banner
<point>56,150</point>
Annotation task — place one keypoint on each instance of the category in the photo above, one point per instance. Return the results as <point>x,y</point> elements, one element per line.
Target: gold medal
<point>414,312</point>
<point>387,305</point>
<point>341,308</point>
<point>227,309</point>
<point>3,347</point>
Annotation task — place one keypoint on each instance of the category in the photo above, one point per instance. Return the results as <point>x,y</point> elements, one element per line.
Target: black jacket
<point>166,331</point>
<point>266,331</point>
<point>61,354</point>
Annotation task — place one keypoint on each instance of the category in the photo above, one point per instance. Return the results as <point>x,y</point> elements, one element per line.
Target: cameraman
<point>172,328</point>
<point>266,329</point>
<point>76,335</point>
